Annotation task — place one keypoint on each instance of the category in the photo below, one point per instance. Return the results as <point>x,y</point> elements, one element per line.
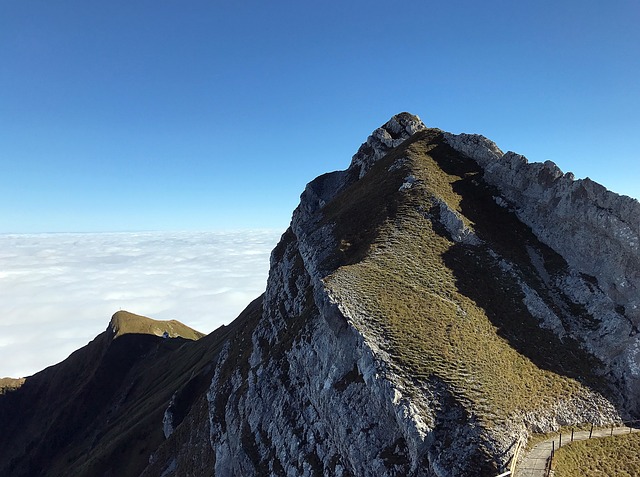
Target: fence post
<point>612,429</point>
<point>591,431</point>
<point>560,443</point>
<point>514,459</point>
<point>572,434</point>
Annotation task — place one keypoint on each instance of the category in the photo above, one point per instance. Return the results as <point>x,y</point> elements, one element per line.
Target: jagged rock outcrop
<point>595,230</point>
<point>384,139</point>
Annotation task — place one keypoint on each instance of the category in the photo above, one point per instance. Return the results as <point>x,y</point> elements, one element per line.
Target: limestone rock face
<point>314,399</point>
<point>319,405</point>
<point>595,230</point>
<point>393,133</point>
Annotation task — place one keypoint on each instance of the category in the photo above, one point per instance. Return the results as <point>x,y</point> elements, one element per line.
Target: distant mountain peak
<point>124,322</point>
<point>10,384</point>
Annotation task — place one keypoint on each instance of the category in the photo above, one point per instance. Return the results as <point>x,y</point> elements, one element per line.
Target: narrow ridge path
<point>534,462</point>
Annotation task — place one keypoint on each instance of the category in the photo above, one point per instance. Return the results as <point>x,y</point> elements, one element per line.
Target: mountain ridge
<point>423,314</point>
<point>61,416</point>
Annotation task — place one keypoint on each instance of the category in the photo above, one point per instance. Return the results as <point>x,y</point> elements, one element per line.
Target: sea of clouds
<point>58,291</point>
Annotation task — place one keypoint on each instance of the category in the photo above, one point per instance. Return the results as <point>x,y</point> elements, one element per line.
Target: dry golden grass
<point>608,456</point>
<point>10,384</point>
<point>416,288</point>
<point>124,322</point>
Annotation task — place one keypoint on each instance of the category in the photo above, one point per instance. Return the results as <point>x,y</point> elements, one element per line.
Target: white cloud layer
<point>58,291</point>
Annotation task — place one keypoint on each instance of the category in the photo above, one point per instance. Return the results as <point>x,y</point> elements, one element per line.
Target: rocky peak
<point>379,259</point>
<point>391,134</point>
<point>324,188</point>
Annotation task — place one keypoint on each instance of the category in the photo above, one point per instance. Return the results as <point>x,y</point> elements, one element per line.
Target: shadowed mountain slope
<point>100,411</point>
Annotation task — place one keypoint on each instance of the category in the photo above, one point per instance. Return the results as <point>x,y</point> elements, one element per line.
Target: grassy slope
<point>445,309</point>
<point>617,455</point>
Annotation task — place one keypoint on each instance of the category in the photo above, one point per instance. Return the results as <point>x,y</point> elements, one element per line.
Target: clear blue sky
<point>166,115</point>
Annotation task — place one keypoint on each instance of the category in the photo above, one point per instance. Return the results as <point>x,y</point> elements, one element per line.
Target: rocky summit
<point>429,310</point>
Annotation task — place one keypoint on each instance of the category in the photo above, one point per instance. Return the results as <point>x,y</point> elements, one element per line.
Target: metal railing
<point>569,437</point>
<point>630,424</point>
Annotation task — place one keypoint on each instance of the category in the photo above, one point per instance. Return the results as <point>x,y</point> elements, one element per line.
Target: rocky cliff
<point>429,308</point>
<point>415,323</point>
<point>596,231</point>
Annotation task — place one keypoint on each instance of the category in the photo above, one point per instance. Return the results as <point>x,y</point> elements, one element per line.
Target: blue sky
<point>206,115</point>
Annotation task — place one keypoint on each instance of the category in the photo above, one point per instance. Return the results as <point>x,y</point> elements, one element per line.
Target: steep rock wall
<point>595,230</point>
<point>598,234</point>
<point>313,398</point>
<point>312,402</point>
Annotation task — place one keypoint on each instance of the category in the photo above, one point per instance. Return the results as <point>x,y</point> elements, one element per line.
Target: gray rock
<point>595,230</point>
<point>393,133</point>
<point>454,224</point>
<point>316,391</point>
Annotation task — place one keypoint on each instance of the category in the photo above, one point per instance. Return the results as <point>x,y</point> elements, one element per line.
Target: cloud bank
<point>58,291</point>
